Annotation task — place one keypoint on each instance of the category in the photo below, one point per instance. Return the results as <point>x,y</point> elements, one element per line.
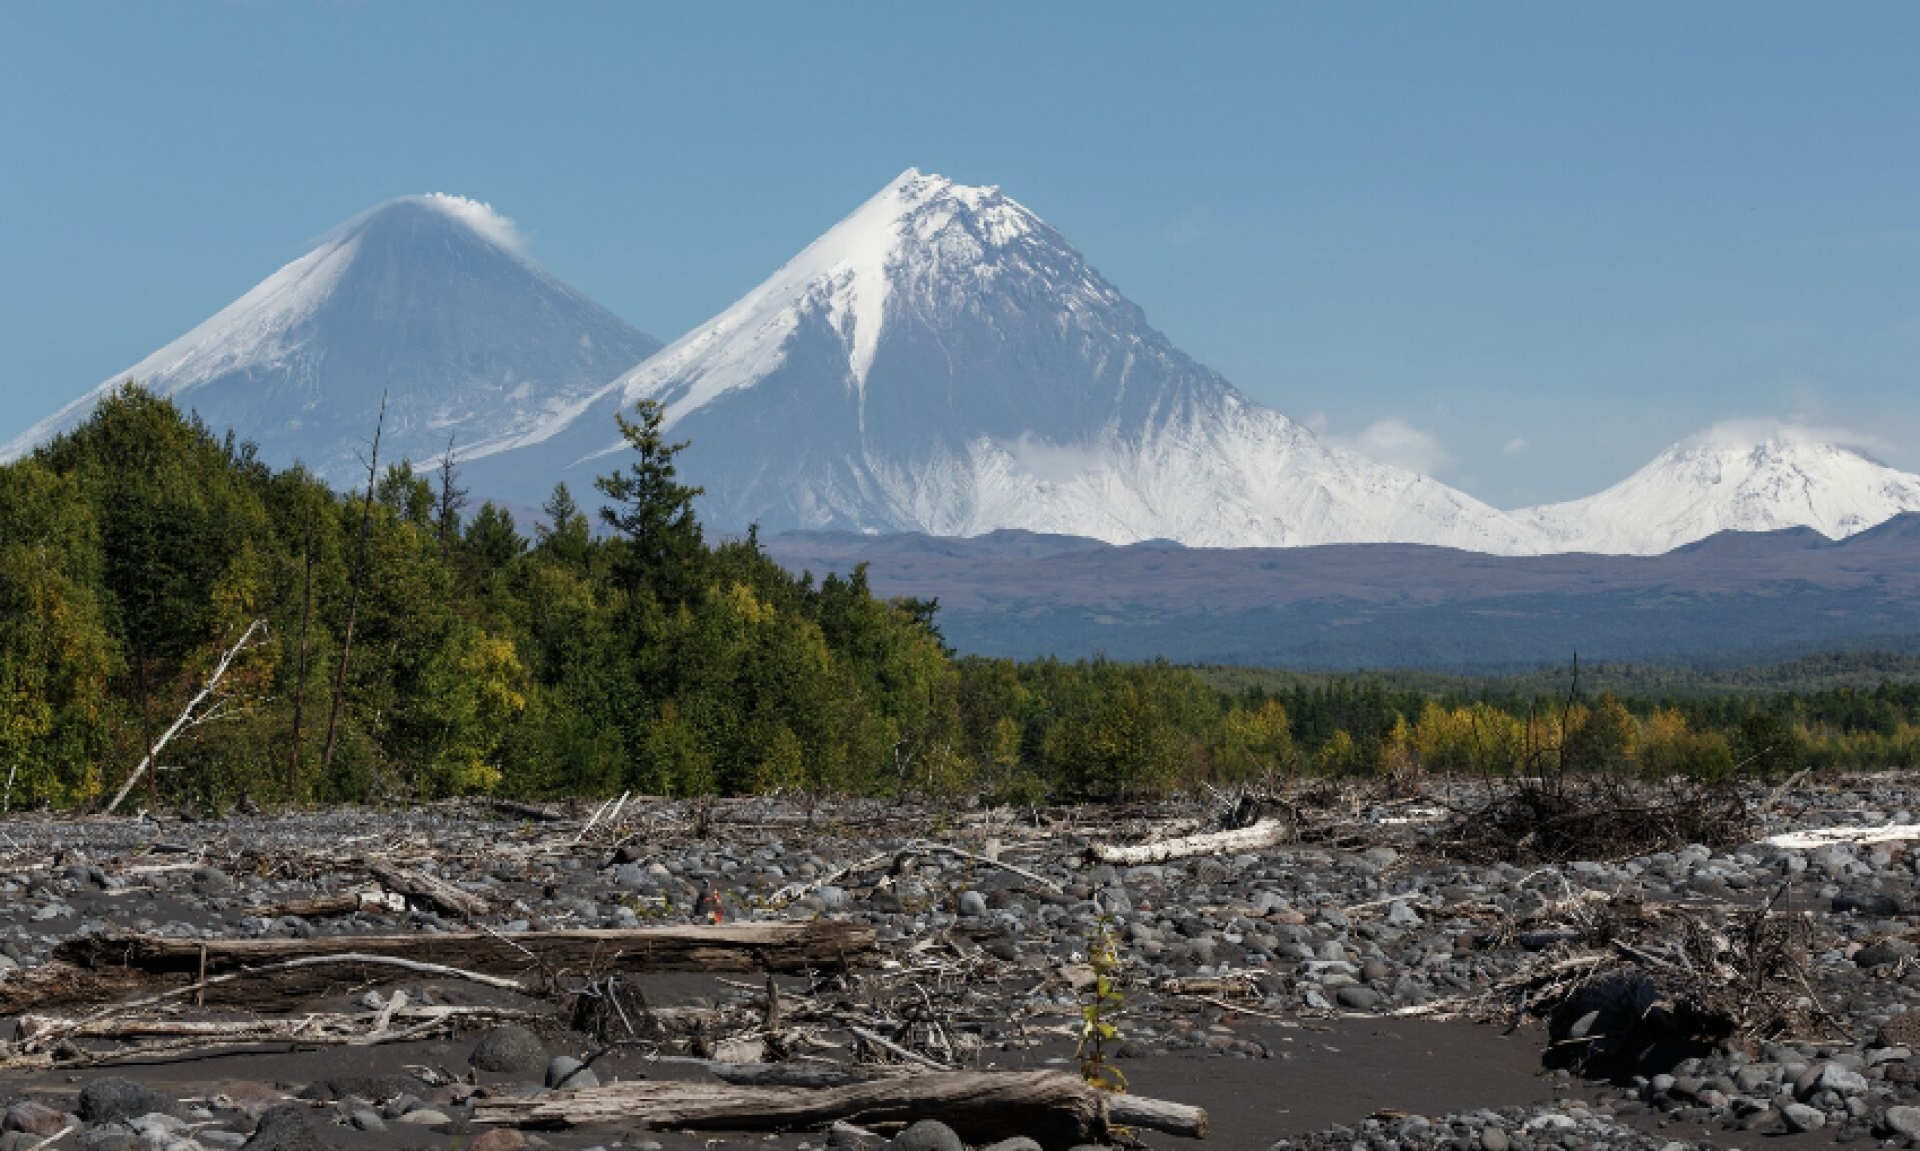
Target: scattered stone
<point>114,1099</point>
<point>288,1127</point>
<point>928,1135</point>
<point>566,1071</point>
<point>1800,1117</point>
<point>509,1049</point>
<point>35,1119</point>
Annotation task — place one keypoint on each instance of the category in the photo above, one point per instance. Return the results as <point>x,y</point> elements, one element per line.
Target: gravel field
<point>1356,989</point>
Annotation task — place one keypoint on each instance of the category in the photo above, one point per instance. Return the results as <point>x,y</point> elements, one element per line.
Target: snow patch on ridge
<point>1745,475</point>
<point>847,277</point>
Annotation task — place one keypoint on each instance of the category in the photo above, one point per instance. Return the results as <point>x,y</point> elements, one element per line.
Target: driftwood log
<point>529,811</point>
<point>101,968</point>
<point>321,906</point>
<point>1122,1110</point>
<point>981,1106</point>
<point>420,887</point>
<point>1265,833</point>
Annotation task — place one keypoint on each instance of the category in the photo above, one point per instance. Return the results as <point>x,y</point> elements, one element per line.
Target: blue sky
<point>1526,245</point>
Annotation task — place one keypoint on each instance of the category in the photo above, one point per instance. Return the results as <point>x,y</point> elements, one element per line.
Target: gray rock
<point>378,1088</point>
<point>113,1100</point>
<point>1865,903</point>
<point>211,881</point>
<point>1903,1121</point>
<point>367,1119</point>
<point>1017,1143</point>
<point>1834,1077</point>
<point>509,1049</point>
<point>566,1069</point>
<point>1494,1139</point>
<point>34,1119</point>
<point>426,1117</point>
<point>1358,997</point>
<point>1801,1117</point>
<point>1884,952</point>
<point>288,1127</point>
<point>972,904</point>
<point>107,1137</point>
<point>928,1135</point>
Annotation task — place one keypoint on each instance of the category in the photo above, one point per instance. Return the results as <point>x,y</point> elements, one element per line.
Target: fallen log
<point>100,968</point>
<point>418,885</point>
<point>1158,1115</point>
<point>529,811</point>
<point>981,1106</point>
<point>324,906</point>
<point>1123,1110</point>
<point>1265,833</point>
<point>811,1075</point>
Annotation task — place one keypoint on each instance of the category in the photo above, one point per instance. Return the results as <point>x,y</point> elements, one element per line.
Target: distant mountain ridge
<point>425,298</point>
<point>1733,597</point>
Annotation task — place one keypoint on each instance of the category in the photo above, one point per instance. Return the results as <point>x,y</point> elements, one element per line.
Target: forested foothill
<point>166,595</point>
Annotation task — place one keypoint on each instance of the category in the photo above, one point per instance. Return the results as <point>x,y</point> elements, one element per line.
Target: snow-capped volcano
<point>1733,477</point>
<point>944,361</point>
<point>427,298</point>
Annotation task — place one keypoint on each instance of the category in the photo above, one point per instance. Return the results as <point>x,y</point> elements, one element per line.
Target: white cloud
<point>481,217</point>
<point>1390,441</point>
<point>1050,462</point>
<point>1514,446</point>
<point>1747,433</point>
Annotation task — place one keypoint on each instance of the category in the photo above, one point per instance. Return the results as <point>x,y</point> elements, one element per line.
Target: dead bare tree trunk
<point>353,593</point>
<point>191,715</point>
<point>452,499</point>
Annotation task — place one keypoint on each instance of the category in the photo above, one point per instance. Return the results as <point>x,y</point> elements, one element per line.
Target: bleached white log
<point>1265,833</point>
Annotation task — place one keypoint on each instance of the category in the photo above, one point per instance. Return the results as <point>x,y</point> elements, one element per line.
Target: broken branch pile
<point>1626,982</point>
<point>1563,817</point>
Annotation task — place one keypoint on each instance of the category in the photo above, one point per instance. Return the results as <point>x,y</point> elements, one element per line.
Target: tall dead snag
<point>207,705</point>
<point>451,500</point>
<point>981,1106</point>
<point>353,591</point>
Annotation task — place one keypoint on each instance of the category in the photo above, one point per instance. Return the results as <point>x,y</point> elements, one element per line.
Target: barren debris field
<point>1334,968</point>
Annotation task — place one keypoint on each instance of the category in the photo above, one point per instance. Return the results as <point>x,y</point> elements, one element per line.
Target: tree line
<point>167,598</point>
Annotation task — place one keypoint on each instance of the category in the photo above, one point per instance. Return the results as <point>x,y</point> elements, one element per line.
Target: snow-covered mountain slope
<point>1733,477</point>
<point>428,298</point>
<point>944,361</point>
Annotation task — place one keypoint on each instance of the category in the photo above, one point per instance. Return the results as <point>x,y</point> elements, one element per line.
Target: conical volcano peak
<point>943,360</point>
<point>427,301</point>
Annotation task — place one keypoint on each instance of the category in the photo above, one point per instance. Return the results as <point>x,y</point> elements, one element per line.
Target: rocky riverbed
<point>1356,990</point>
